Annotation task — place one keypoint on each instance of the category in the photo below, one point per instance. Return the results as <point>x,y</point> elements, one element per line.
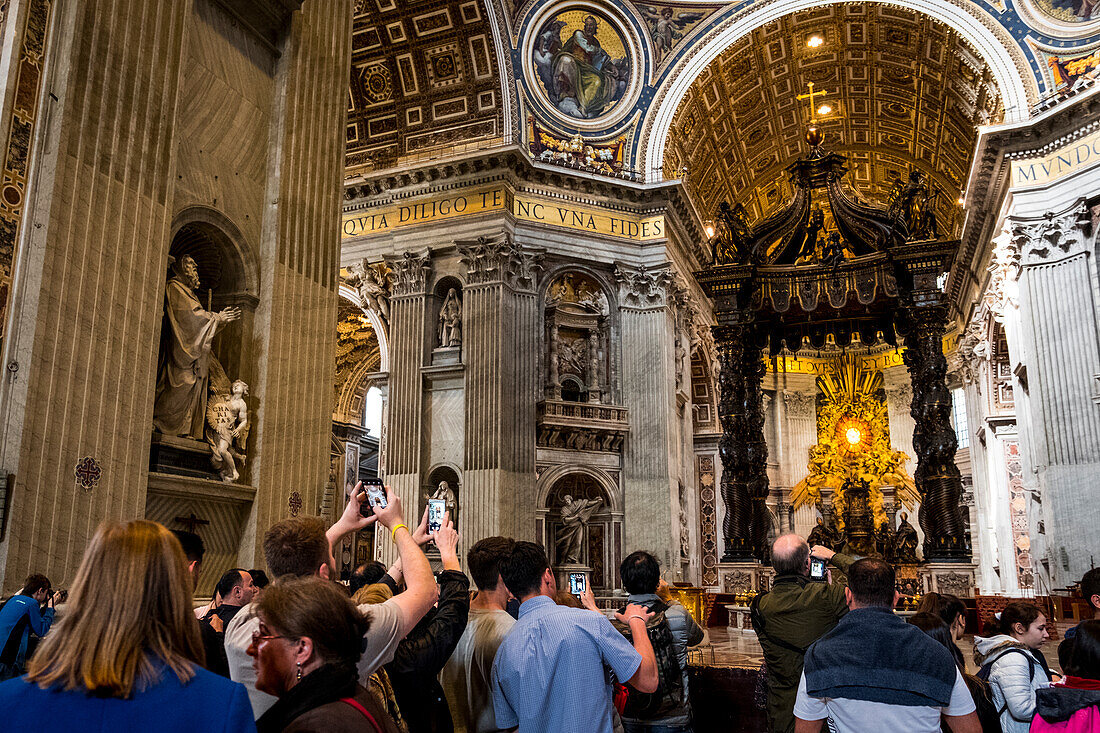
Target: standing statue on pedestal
<point>884,541</point>
<point>227,429</point>
<point>905,541</point>
<point>444,492</point>
<point>183,375</point>
<point>450,321</point>
<point>575,514</point>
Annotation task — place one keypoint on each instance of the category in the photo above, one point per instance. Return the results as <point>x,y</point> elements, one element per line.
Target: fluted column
<point>408,337</point>
<point>500,343</point>
<point>1058,310</point>
<point>799,426</point>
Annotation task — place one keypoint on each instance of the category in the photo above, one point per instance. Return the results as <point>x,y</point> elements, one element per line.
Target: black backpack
<point>669,694</point>
<point>988,715</point>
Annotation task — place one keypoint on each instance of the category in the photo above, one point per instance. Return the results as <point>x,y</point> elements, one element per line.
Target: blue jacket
<point>19,617</point>
<point>206,703</point>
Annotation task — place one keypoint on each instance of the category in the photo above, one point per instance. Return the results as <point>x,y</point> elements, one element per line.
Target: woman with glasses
<point>305,653</point>
<point>126,655</point>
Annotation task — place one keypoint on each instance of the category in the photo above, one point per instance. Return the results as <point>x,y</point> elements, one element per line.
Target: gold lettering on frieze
<point>524,208</point>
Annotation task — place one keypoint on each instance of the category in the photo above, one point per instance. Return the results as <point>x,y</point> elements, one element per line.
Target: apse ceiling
<point>424,81</point>
<point>904,92</point>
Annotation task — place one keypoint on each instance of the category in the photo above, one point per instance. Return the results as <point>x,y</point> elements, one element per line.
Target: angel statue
<point>666,27</point>
<point>227,429</point>
<point>371,284</point>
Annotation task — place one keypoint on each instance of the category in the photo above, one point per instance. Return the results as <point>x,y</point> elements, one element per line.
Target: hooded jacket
<point>1067,709</point>
<point>1013,679</point>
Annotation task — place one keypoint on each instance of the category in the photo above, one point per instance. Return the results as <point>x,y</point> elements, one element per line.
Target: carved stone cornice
<point>641,288</point>
<point>1052,237</point>
<point>989,179</point>
<point>499,259</point>
<point>409,272</point>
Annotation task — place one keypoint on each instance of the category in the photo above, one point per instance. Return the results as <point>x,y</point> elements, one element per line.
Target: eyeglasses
<point>258,637</point>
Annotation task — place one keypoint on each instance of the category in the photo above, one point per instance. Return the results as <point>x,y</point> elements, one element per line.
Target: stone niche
<point>185,491</point>
<point>601,541</point>
<point>227,279</point>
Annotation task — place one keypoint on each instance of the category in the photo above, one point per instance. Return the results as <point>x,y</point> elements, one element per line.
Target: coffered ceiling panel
<point>424,80</point>
<point>903,92</point>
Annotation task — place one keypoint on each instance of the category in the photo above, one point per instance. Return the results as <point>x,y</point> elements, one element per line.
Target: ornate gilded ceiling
<point>905,92</point>
<point>424,81</point>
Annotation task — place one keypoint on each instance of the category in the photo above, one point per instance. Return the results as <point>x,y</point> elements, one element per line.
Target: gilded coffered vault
<point>904,92</point>
<point>425,82</point>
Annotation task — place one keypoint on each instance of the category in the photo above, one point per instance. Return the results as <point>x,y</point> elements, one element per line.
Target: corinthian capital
<point>641,287</point>
<point>409,272</point>
<point>499,259</point>
<point>1052,236</point>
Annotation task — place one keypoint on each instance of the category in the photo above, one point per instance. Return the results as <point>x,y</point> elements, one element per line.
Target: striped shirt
<point>549,673</point>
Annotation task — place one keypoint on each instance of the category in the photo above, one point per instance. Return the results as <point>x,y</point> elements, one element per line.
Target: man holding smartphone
<point>791,616</point>
<point>548,675</point>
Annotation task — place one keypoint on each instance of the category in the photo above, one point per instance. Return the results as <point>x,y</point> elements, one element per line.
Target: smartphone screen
<point>817,569</point>
<point>576,584</point>
<point>436,509</point>
<point>376,496</point>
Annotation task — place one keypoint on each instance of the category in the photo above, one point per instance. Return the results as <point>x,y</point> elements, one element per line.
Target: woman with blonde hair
<point>127,653</point>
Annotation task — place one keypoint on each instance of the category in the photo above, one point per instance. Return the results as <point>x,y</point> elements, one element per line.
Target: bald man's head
<point>790,554</point>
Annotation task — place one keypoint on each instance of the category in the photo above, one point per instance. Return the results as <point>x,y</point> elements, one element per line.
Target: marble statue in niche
<point>227,429</point>
<point>449,331</point>
<point>186,361</point>
<point>582,64</point>
<point>446,493</point>
<point>575,515</point>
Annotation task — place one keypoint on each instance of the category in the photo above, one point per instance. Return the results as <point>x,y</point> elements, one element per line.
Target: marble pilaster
<point>648,384</point>
<point>501,346</point>
<point>1058,311</point>
<point>409,335</point>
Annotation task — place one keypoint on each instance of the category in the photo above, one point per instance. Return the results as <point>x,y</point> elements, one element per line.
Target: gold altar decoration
<point>853,434</point>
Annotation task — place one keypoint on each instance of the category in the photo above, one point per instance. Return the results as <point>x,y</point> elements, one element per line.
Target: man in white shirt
<point>874,672</point>
<point>301,547</point>
<point>467,676</point>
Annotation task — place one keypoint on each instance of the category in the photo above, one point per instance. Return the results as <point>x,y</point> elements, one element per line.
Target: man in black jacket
<point>422,654</point>
<point>235,589</point>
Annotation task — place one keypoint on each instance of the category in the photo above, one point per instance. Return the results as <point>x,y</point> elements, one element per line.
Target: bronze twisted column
<point>934,441</point>
<point>743,449</point>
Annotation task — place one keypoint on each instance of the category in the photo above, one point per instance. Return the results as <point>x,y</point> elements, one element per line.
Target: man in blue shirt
<point>549,674</point>
<point>19,616</point>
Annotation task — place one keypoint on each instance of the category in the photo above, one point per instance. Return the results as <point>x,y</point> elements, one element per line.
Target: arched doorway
<point>601,537</point>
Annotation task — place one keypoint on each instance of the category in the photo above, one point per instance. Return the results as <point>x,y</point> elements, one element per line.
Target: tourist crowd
<point>403,650</point>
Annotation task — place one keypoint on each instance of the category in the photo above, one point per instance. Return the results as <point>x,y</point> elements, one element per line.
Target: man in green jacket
<point>791,616</point>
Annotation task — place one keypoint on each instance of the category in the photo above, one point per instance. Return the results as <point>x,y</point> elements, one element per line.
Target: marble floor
<point>723,648</point>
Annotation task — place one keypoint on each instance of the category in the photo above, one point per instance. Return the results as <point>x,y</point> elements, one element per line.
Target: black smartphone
<point>576,584</point>
<point>376,496</point>
<point>436,509</point>
<point>817,568</point>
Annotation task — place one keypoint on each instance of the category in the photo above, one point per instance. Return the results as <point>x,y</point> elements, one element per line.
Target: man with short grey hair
<point>790,617</point>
